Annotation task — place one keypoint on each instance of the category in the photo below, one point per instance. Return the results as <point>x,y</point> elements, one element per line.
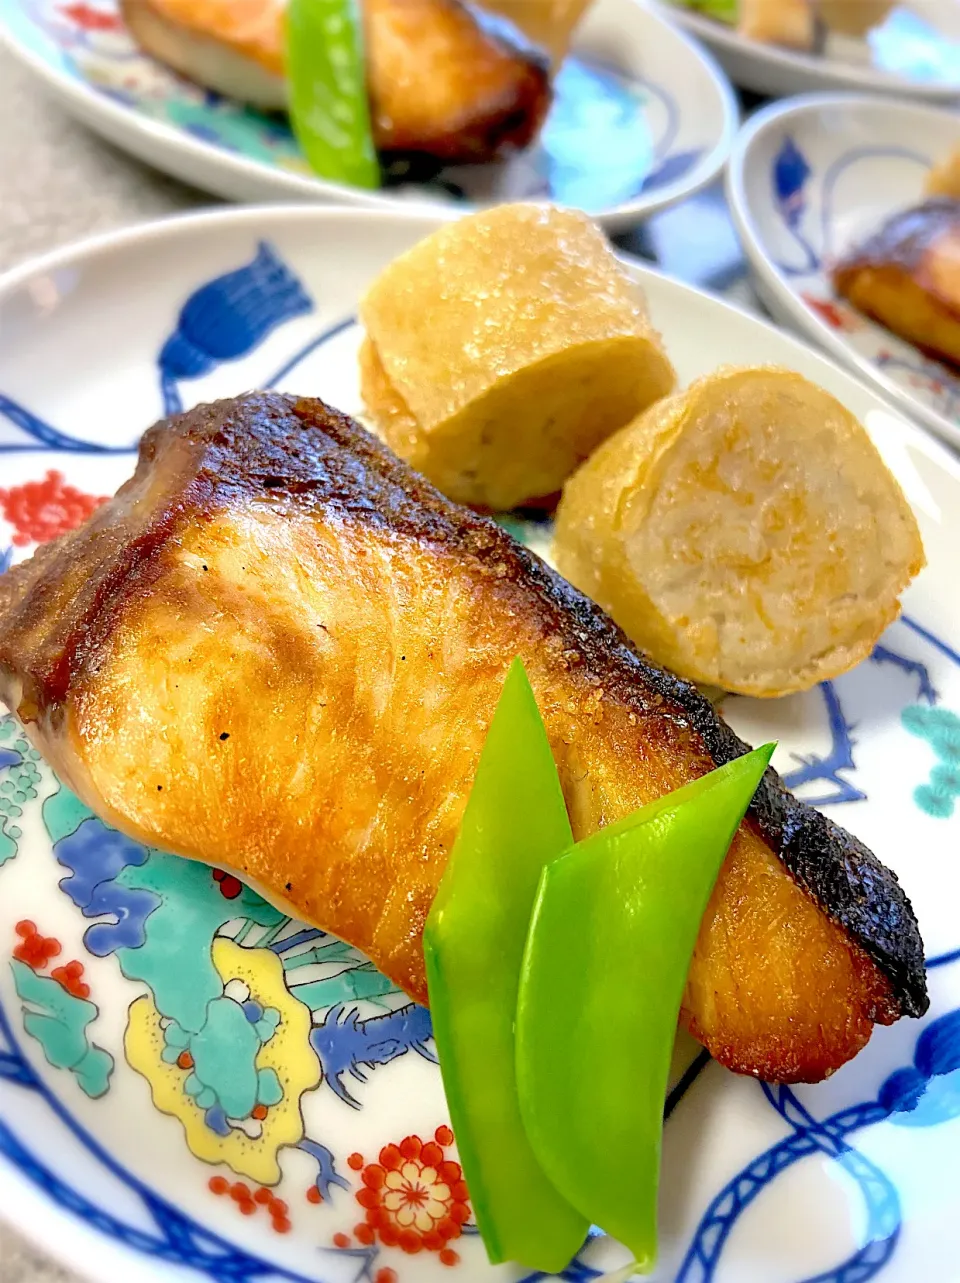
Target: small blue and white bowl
<point>809,179</point>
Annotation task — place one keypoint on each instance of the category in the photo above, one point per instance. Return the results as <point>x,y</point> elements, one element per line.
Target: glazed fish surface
<point>278,650</point>
<point>444,78</point>
<point>905,276</point>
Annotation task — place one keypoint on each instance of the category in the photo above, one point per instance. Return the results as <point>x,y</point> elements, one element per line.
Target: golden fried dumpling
<point>944,178</point>
<point>503,349</point>
<point>548,23</point>
<point>778,22</point>
<point>853,17</point>
<point>745,533</point>
<point>907,276</point>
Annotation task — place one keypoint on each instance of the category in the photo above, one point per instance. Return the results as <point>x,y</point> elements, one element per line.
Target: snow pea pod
<point>605,965</point>
<point>515,822</point>
<point>727,11</point>
<point>328,102</point>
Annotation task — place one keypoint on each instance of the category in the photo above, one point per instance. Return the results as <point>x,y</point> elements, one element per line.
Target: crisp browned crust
<point>651,528</point>
<point>60,611</point>
<point>450,80</point>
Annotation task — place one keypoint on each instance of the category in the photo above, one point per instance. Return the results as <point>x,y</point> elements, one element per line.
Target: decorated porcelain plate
<point>911,51</point>
<point>194,1086</point>
<point>641,118</point>
<point>809,180</point>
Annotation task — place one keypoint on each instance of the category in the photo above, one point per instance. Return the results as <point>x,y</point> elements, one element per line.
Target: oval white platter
<point>131,1161</point>
<point>642,118</point>
<point>813,177</point>
<point>913,53</point>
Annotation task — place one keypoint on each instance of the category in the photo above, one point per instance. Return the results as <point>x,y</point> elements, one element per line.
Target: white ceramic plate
<point>914,52</point>
<point>641,118</point>
<point>811,178</point>
<point>110,1137</point>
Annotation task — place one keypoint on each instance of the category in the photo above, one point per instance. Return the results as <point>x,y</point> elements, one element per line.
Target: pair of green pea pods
<point>555,973</point>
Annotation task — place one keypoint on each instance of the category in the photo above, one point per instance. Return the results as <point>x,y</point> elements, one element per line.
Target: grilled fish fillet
<point>278,650</point>
<point>444,78</point>
<point>907,276</point>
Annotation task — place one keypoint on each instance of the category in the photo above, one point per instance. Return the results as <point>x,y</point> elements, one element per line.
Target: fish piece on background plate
<point>907,276</point>
<point>278,650</point>
<point>441,78</point>
<point>447,80</point>
<point>744,532</point>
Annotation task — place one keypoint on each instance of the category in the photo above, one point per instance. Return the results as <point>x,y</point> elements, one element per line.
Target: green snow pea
<point>329,106</point>
<point>515,822</point>
<point>604,969</point>
<point>722,10</point>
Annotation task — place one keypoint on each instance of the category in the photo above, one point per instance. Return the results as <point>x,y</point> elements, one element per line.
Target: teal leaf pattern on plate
<point>941,729</point>
<point>58,1020</point>
<point>19,777</point>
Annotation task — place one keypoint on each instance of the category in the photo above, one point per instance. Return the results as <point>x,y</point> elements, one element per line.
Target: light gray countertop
<point>58,181</point>
<point>20,1263</point>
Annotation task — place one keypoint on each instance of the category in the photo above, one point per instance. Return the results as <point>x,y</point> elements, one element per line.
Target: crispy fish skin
<point>278,649</point>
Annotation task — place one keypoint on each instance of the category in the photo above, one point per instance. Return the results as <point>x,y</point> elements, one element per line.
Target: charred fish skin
<point>298,461</point>
<point>836,870</point>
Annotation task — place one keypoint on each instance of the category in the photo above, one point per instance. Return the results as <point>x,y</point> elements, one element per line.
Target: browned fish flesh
<point>451,81</point>
<point>907,276</point>
<point>278,650</point>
